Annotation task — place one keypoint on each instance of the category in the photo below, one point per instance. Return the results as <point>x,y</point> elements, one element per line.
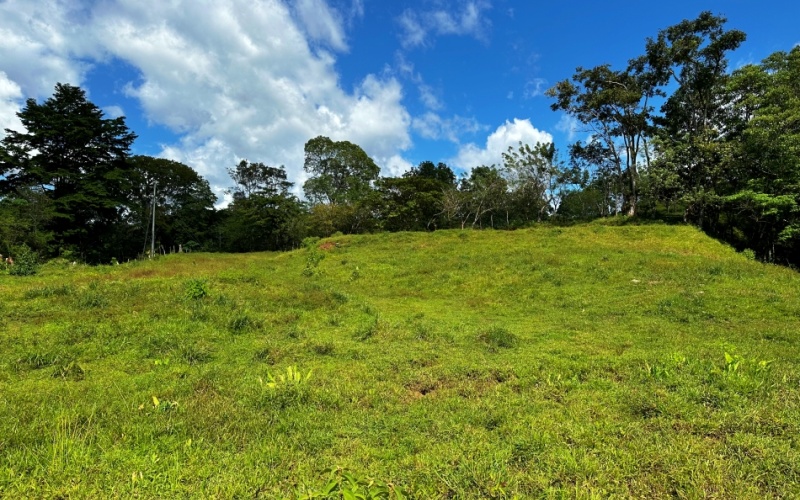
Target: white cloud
<point>395,165</point>
<point>414,33</point>
<point>322,23</point>
<point>41,44</point>
<point>432,126</point>
<point>508,134</point>
<point>469,20</point>
<point>427,94</point>
<point>113,111</point>
<point>357,9</point>
<point>428,97</point>
<point>235,78</point>
<point>10,99</point>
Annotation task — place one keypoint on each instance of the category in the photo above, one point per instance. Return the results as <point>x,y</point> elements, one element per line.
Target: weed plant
<point>585,361</point>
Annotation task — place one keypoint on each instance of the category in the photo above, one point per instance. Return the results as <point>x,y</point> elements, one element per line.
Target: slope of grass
<point>596,360</point>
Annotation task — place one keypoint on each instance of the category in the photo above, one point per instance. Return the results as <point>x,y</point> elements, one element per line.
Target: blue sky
<point>208,83</point>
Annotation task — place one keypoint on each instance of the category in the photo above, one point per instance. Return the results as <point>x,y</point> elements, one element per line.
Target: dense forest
<point>675,136</point>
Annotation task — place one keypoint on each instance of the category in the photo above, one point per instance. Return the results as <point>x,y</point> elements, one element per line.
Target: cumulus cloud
<point>395,165</point>
<point>511,133</point>
<point>417,26</point>
<point>41,43</point>
<point>10,99</point>
<point>236,78</point>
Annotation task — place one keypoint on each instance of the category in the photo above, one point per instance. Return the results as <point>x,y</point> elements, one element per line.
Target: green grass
<point>591,361</point>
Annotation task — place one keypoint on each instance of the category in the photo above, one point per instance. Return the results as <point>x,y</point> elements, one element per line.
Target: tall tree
<point>184,205</point>
<point>264,214</point>
<point>341,172</point>
<point>616,108</point>
<point>761,197</point>
<point>693,55</point>
<point>258,178</point>
<point>74,155</point>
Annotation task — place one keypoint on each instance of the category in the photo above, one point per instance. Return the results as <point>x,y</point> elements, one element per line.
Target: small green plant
<point>285,389</point>
<point>195,289</point>
<point>164,405</point>
<point>732,362</point>
<point>656,371</point>
<point>313,259</point>
<point>292,378</point>
<point>344,484</point>
<point>749,254</point>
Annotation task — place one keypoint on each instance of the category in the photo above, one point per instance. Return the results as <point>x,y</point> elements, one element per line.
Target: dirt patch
<point>328,245</point>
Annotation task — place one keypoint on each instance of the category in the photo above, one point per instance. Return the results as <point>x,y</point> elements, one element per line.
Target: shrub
<point>26,262</point>
<point>195,289</point>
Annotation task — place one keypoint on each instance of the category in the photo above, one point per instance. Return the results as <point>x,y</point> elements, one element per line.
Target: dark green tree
<point>184,206</point>
<point>759,197</point>
<point>264,214</point>
<point>413,202</point>
<point>74,155</point>
<point>692,127</point>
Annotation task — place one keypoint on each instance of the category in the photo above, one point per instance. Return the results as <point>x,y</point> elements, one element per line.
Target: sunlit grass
<point>642,361</point>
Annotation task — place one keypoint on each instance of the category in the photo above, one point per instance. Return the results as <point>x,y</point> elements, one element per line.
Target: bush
<point>26,262</point>
<point>195,289</point>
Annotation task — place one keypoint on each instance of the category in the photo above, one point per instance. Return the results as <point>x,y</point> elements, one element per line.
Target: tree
<point>23,217</point>
<point>536,178</point>
<point>692,128</point>
<point>75,156</point>
<point>616,107</point>
<point>439,172</point>
<point>184,205</point>
<point>257,178</point>
<point>264,215</point>
<point>760,198</point>
<point>341,172</point>
<point>412,202</point>
<point>486,193</point>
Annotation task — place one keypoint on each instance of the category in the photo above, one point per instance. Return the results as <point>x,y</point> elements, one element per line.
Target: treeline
<point>673,135</point>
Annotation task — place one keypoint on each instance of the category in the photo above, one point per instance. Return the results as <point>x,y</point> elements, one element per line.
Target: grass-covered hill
<point>646,361</point>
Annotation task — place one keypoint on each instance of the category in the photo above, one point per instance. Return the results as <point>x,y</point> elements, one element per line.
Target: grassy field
<point>591,361</point>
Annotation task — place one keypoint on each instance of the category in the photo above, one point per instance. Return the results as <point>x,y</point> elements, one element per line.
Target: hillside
<point>592,360</point>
